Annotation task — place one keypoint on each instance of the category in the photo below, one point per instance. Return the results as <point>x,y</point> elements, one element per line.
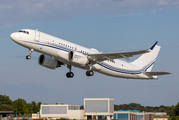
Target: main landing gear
<point>69,74</point>
<point>30,52</point>
<point>89,73</point>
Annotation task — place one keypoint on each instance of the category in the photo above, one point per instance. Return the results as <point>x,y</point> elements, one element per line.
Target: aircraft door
<point>37,36</point>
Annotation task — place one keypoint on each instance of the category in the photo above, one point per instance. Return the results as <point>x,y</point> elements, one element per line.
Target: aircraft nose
<point>16,37</point>
<point>13,36</point>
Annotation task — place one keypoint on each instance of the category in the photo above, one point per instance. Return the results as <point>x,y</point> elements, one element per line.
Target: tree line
<point>19,106</point>
<point>171,111</point>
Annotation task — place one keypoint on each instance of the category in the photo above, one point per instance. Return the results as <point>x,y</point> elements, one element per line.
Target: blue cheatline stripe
<point>126,71</point>
<point>117,70</point>
<point>147,67</point>
<point>107,66</point>
<point>48,44</point>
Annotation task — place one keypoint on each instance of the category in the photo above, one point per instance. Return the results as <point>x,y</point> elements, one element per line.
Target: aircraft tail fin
<point>147,60</point>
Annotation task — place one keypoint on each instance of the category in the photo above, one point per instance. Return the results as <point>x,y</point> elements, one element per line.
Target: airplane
<point>57,52</point>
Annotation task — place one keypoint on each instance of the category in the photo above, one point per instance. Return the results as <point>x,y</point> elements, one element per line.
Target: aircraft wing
<point>110,56</point>
<point>156,73</point>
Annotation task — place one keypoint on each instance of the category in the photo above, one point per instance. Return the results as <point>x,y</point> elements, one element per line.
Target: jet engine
<point>48,61</point>
<point>77,58</point>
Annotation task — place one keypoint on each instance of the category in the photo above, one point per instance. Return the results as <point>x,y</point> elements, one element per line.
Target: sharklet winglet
<point>152,47</point>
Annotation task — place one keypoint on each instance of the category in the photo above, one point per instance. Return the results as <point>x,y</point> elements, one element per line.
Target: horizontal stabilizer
<point>156,73</point>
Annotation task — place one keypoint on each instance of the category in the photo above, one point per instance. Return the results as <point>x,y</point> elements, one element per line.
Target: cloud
<point>15,12</point>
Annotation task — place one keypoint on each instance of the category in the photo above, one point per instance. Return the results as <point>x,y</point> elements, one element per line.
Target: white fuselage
<point>59,49</point>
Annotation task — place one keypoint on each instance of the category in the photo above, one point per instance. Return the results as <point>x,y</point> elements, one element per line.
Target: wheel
<point>70,74</point>
<point>89,73</point>
<point>28,57</point>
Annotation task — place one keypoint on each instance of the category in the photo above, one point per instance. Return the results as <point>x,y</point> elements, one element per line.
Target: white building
<point>93,107</point>
<point>98,108</point>
<point>61,111</point>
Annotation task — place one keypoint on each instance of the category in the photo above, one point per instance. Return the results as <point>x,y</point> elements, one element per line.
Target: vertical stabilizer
<point>147,60</point>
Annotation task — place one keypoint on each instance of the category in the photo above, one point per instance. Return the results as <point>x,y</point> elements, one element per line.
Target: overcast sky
<point>107,25</point>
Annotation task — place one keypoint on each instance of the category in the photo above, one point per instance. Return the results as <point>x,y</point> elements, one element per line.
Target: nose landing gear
<point>69,74</point>
<point>28,57</point>
<point>30,52</point>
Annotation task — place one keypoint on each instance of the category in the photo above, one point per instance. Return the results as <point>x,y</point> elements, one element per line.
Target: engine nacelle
<point>77,58</point>
<point>48,61</point>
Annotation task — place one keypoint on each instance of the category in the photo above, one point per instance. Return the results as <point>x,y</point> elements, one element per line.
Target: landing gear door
<point>37,36</point>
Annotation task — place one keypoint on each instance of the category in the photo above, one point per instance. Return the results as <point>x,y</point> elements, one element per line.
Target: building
<point>160,118</point>
<point>95,108</point>
<point>61,111</point>
<point>98,108</point>
<point>125,114</point>
<point>5,113</point>
<point>136,115</point>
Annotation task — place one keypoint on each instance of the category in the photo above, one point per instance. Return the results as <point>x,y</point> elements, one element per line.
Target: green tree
<point>5,100</point>
<point>82,107</point>
<point>38,105</point>
<point>6,107</point>
<point>19,106</point>
<point>123,107</point>
<point>135,106</point>
<point>161,110</point>
<point>34,107</point>
<point>177,110</point>
<point>0,108</point>
<point>116,107</point>
<point>5,103</point>
<point>28,109</point>
<point>171,110</point>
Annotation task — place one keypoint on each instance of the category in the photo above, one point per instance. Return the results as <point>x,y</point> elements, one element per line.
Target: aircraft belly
<point>96,67</point>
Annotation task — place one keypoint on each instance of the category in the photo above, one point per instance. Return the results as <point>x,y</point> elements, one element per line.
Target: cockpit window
<point>26,32</point>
